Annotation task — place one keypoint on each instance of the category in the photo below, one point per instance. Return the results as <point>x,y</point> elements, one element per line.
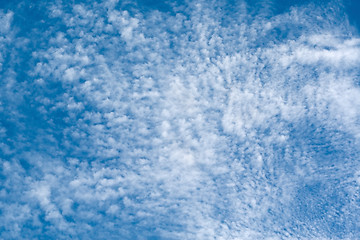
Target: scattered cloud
<point>193,124</point>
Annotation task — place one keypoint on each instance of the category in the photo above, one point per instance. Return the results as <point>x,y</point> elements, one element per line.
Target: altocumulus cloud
<point>184,120</point>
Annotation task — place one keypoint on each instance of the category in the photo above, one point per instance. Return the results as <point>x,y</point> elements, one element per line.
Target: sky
<point>180,119</point>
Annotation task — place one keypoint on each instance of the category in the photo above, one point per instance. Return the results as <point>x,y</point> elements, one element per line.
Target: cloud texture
<point>192,120</point>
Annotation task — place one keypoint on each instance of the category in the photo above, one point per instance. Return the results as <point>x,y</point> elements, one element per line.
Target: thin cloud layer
<point>185,122</point>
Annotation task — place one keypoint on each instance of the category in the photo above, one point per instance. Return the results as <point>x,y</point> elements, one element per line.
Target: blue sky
<point>179,119</point>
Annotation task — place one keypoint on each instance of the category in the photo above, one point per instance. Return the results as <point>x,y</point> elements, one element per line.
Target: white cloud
<point>184,127</point>
<point>5,21</point>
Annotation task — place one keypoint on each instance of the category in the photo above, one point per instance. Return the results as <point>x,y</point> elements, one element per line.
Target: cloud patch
<point>191,124</point>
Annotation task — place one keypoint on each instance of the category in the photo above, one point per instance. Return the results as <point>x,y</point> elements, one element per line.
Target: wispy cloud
<point>197,123</point>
